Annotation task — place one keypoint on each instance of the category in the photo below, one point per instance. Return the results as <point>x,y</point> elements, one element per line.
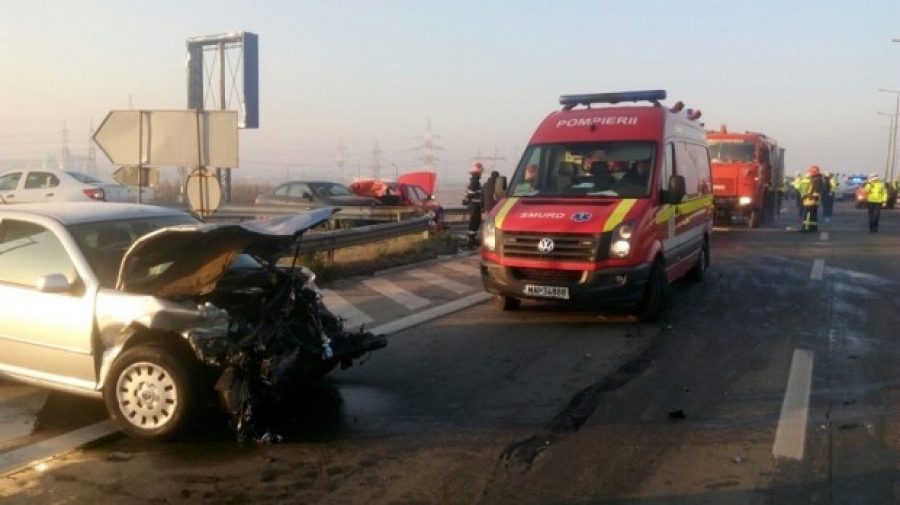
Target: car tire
<point>698,272</point>
<point>152,393</point>
<point>656,294</point>
<point>506,303</point>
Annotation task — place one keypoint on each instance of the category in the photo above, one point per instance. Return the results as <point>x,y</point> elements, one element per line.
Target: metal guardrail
<point>330,241</point>
<point>365,214</point>
<point>397,222</point>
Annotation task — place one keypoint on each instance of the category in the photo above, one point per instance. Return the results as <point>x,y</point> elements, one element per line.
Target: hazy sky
<point>367,73</point>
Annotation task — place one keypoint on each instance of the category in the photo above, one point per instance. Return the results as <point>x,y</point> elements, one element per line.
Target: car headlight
<point>620,246</point>
<point>489,235</point>
<point>745,200</point>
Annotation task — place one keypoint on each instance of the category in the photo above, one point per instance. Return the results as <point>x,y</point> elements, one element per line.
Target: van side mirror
<point>501,184</point>
<point>675,193</point>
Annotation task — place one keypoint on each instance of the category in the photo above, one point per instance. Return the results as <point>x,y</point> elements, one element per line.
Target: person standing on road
<point>812,193</point>
<point>828,197</point>
<point>876,197</point>
<point>799,184</point>
<point>473,200</point>
<point>489,192</point>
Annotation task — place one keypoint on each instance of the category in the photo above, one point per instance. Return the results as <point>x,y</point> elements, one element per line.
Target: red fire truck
<point>747,168</point>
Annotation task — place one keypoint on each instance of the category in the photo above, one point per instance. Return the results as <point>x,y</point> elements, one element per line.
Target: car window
<point>36,180</point>
<point>297,190</point>
<point>9,182</point>
<point>29,251</point>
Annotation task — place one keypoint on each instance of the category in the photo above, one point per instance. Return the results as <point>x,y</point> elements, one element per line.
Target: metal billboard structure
<point>229,80</point>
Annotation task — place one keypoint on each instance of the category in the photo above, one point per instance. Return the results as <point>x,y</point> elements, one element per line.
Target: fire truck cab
<point>608,205</point>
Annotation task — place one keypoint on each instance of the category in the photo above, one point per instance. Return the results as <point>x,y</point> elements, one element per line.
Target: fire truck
<point>746,170</point>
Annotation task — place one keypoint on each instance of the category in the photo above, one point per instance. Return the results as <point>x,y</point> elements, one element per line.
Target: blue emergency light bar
<point>569,101</point>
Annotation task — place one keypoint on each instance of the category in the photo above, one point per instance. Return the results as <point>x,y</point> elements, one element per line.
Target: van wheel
<point>151,393</point>
<point>698,272</point>
<point>656,294</point>
<point>754,219</point>
<point>506,303</point>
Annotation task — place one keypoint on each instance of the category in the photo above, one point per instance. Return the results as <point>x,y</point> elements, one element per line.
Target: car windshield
<point>732,151</point>
<point>104,243</point>
<point>604,169</point>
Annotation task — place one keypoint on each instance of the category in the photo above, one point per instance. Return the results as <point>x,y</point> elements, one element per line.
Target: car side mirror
<point>675,193</point>
<point>53,283</point>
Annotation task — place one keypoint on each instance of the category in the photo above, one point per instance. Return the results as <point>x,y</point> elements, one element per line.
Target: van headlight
<point>745,200</point>
<point>620,246</point>
<point>489,235</point>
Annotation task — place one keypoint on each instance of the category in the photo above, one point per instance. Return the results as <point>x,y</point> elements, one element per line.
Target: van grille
<point>547,276</point>
<point>566,246</point>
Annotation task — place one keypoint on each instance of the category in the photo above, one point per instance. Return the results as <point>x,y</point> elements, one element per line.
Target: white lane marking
<point>791,435</point>
<point>429,314</point>
<point>448,284</point>
<point>340,307</point>
<point>396,293</point>
<point>56,446</point>
<point>463,267</point>
<point>818,270</point>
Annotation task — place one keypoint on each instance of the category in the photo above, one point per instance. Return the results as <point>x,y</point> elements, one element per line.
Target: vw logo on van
<point>545,245</point>
<point>580,217</point>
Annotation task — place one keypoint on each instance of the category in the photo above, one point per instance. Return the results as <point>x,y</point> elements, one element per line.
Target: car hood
<point>188,260</point>
<point>424,179</point>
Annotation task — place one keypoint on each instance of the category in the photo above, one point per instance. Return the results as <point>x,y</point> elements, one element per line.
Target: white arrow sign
<point>180,138</point>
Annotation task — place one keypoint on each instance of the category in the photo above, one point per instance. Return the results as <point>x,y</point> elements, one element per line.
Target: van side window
<point>668,167</point>
<point>692,163</point>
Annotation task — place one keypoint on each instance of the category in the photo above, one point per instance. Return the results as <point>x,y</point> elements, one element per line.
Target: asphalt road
<point>774,381</point>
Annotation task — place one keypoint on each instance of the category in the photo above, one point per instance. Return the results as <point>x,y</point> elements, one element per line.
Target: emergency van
<point>608,205</point>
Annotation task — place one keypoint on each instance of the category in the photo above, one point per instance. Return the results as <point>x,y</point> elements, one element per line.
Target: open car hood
<point>188,260</point>
<point>424,179</point>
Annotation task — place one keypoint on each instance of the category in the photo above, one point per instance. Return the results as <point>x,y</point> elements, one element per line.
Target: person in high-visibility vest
<point>811,192</point>
<point>876,197</point>
<point>799,184</point>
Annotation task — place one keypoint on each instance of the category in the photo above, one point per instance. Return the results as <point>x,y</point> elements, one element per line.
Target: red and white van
<point>619,205</point>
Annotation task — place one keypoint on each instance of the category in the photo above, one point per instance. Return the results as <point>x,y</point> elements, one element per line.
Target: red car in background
<point>413,189</point>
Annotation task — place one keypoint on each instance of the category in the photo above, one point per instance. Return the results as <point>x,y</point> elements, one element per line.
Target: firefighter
<point>828,197</point>
<point>812,192</point>
<point>876,197</point>
<point>473,200</point>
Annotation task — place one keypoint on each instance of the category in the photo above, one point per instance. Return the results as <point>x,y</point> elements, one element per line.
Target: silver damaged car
<point>160,314</point>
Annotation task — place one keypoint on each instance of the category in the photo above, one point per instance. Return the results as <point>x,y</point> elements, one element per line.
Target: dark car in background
<point>315,194</point>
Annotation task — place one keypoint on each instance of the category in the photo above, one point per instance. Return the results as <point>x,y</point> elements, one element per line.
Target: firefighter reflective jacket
<point>875,191</point>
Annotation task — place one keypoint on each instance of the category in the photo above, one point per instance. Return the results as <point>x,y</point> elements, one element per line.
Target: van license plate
<point>547,291</point>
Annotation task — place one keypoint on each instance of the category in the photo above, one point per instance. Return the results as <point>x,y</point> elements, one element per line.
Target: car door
<point>44,335</point>
<point>39,186</point>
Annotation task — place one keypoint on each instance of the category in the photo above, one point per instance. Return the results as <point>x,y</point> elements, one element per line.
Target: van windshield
<point>605,169</point>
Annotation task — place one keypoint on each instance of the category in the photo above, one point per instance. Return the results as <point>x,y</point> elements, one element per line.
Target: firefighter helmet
<point>814,170</point>
<point>477,168</point>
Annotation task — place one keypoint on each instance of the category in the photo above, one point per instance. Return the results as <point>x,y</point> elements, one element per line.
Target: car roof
<point>88,212</point>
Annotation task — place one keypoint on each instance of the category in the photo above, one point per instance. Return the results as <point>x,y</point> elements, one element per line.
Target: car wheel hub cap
<point>147,395</point>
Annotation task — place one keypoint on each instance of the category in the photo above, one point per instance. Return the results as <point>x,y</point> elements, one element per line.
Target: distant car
<point>315,194</point>
<point>862,198</point>
<point>47,185</point>
<point>145,307</point>
<point>415,189</point>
